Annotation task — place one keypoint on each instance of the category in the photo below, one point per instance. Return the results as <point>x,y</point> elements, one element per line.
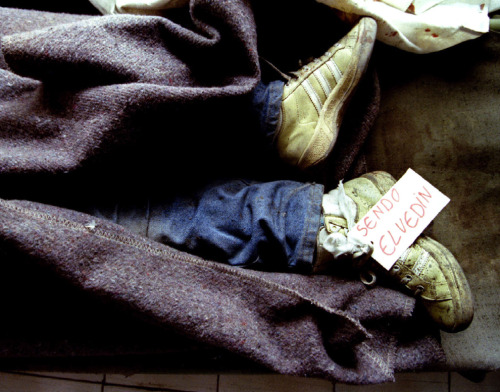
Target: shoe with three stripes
<point>315,100</point>
<point>426,269</point>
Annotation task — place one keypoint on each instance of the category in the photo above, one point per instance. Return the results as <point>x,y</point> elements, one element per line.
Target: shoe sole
<point>461,295</point>
<point>462,299</point>
<point>330,118</point>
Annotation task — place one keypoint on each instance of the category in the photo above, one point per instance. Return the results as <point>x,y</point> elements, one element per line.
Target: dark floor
<point>98,382</point>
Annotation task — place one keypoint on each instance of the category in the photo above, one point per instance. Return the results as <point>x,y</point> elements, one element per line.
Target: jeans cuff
<point>312,220</point>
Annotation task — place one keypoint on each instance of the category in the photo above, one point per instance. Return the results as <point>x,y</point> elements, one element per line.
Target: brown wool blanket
<point>93,108</point>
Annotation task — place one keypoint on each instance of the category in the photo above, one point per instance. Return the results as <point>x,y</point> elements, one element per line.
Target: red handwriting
<point>383,206</point>
<point>407,221</point>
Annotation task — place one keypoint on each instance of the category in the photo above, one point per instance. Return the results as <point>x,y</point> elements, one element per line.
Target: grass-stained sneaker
<point>427,269</point>
<point>315,100</point>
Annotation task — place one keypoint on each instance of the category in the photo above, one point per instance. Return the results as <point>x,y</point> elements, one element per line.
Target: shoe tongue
<point>347,207</point>
<point>364,195</point>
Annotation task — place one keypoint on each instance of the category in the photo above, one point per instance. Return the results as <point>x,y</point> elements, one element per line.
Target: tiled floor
<point>84,382</point>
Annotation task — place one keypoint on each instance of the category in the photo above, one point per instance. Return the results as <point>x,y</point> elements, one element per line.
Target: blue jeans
<point>266,102</point>
<point>264,225</point>
<point>270,225</point>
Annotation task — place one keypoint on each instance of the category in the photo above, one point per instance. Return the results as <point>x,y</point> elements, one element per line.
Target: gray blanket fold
<point>89,83</point>
<point>110,94</point>
<point>291,323</point>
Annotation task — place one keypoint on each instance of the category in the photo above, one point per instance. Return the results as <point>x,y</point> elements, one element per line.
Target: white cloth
<point>422,26</point>
<point>144,7</point>
<point>337,203</point>
<point>418,26</point>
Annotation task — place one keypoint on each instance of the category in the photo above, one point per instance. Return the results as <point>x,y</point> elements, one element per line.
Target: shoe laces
<point>307,68</point>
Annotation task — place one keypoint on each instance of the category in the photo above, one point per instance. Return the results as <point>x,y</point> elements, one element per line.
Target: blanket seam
<point>165,252</point>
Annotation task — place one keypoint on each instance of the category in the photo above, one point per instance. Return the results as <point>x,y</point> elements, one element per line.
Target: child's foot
<point>426,269</point>
<point>314,102</point>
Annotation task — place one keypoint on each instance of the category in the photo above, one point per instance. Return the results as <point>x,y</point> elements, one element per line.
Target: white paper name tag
<point>400,216</point>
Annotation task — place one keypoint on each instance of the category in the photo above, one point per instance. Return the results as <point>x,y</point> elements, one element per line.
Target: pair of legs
<point>280,225</point>
<point>273,225</point>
